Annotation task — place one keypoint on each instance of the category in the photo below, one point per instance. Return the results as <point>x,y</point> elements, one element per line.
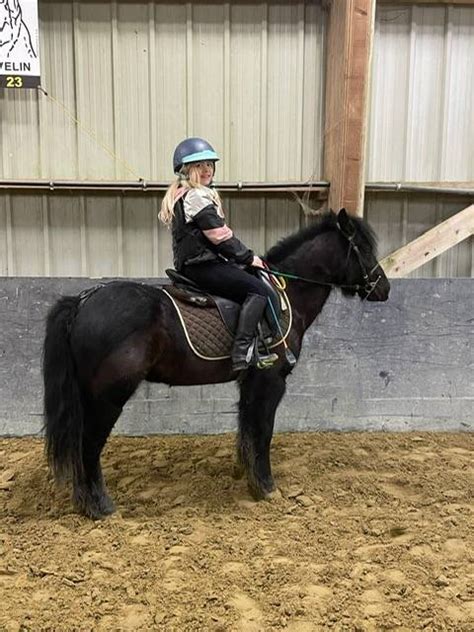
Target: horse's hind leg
<point>90,494</point>
<point>260,394</point>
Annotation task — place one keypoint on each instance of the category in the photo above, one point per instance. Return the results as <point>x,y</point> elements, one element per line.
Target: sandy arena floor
<point>371,532</point>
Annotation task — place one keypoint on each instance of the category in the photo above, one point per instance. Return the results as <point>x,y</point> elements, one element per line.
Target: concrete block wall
<point>401,365</point>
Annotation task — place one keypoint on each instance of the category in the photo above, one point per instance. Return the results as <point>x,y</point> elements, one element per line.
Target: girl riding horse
<point>101,345</point>
<point>206,250</point>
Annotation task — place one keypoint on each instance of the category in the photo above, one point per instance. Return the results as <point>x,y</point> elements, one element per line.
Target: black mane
<point>325,222</point>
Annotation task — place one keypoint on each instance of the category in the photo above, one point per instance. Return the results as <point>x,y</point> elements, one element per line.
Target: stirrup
<point>260,362</point>
<point>266,361</point>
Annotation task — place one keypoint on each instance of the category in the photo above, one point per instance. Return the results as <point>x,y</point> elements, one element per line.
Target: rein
<point>295,277</point>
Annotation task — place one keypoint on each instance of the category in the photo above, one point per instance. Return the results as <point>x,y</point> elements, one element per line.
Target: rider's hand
<point>257,262</point>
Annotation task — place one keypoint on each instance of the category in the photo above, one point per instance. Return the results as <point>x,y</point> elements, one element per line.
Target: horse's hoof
<point>108,506</point>
<point>273,495</point>
<point>98,513</point>
<point>96,510</point>
<point>262,492</point>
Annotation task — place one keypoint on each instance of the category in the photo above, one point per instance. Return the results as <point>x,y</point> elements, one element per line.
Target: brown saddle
<point>209,322</point>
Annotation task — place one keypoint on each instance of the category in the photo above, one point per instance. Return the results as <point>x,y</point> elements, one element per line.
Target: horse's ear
<point>345,223</point>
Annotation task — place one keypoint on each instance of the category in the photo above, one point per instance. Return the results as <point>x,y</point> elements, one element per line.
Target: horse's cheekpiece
<point>209,322</point>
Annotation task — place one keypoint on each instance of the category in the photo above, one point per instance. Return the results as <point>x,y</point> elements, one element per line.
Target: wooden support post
<point>431,244</point>
<point>350,34</point>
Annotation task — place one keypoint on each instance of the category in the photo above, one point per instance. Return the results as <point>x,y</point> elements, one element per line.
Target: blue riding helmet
<point>192,150</point>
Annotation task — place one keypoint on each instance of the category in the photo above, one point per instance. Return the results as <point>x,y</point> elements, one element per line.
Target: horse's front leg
<point>260,394</point>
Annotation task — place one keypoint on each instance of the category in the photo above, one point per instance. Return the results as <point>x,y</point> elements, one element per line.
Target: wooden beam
<point>431,244</point>
<point>350,35</point>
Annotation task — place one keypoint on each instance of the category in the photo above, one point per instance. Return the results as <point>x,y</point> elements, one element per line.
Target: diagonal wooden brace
<point>431,244</point>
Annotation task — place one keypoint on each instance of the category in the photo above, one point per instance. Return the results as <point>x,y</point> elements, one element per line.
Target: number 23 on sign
<point>14,82</point>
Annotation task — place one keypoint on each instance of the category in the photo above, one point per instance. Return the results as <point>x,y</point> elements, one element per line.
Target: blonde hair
<point>188,178</point>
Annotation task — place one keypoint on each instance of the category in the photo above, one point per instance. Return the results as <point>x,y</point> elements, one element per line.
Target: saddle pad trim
<point>226,357</point>
<point>183,325</point>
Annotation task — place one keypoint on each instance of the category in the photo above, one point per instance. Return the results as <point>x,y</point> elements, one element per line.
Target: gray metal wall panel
<point>93,82</point>
<point>313,92</point>
<point>103,216</point>
<point>206,61</point>
<point>457,152</point>
<point>4,211</point>
<point>58,140</point>
<point>138,228</point>
<point>401,365</point>
<point>131,86</point>
<point>127,80</point>
<point>284,91</point>
<point>64,236</point>
<point>170,100</point>
<point>27,244</point>
<point>421,125</point>
<point>20,134</point>
<point>246,150</point>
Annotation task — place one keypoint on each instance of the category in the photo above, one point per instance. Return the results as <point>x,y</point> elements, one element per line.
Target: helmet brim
<point>201,155</point>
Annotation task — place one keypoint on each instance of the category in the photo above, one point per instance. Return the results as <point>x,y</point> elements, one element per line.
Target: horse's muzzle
<point>380,291</point>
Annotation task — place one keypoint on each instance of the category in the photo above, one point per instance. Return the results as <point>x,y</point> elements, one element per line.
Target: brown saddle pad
<point>207,334</point>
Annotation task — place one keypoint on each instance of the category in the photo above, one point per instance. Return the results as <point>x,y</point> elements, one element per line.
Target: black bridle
<point>369,285</point>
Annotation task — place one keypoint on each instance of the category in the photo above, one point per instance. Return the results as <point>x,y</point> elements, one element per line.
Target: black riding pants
<point>226,279</point>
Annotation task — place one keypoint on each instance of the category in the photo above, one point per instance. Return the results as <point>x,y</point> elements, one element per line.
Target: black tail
<point>63,407</point>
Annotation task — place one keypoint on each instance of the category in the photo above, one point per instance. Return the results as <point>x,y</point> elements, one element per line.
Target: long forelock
<point>325,223</point>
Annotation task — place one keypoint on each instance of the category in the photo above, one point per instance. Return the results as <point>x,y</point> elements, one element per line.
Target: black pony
<point>97,352</point>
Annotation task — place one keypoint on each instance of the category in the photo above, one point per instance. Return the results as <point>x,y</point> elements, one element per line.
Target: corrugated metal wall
<point>421,125</point>
<point>247,75</point>
<point>112,235</point>
<point>140,76</point>
<point>421,118</point>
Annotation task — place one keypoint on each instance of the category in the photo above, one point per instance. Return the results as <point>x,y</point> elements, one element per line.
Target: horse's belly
<point>191,372</point>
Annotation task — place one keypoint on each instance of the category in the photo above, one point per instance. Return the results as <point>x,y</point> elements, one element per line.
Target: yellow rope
<point>90,133</point>
<point>278,282</point>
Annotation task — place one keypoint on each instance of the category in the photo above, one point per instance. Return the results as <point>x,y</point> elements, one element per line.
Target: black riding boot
<point>250,315</point>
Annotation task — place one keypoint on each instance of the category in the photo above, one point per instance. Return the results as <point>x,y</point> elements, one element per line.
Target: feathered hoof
<point>93,507</point>
<point>263,491</point>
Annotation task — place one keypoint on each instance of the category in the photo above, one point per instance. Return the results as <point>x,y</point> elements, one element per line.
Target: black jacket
<point>191,246</point>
